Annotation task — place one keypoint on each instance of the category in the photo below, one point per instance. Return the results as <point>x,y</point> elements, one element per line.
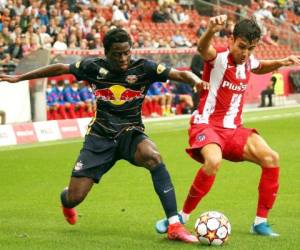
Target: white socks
<point>259,220</point>
<point>174,219</point>
<point>185,217</point>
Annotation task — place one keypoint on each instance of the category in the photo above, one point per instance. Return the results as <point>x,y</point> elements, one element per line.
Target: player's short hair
<point>116,35</point>
<point>247,29</point>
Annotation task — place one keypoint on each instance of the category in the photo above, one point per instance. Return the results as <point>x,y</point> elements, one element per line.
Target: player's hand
<point>202,85</point>
<point>290,60</point>
<point>217,23</point>
<point>9,78</point>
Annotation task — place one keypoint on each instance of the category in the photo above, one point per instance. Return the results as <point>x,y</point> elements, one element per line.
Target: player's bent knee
<point>212,164</point>
<point>271,159</point>
<point>153,160</point>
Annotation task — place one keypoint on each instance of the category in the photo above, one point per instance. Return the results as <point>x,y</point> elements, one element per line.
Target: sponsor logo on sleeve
<point>102,73</point>
<point>160,68</point>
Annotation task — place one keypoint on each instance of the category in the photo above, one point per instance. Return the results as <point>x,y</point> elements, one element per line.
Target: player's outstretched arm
<point>205,48</point>
<point>189,78</point>
<point>267,66</point>
<point>47,71</point>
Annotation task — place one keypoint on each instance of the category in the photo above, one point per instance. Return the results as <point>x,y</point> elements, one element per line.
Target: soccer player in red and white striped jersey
<point>216,130</point>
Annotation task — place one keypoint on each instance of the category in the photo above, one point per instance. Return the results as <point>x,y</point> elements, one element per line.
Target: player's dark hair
<point>116,35</point>
<point>247,29</point>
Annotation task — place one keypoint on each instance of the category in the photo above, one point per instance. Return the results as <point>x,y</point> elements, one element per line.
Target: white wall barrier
<point>15,102</point>
<point>43,131</point>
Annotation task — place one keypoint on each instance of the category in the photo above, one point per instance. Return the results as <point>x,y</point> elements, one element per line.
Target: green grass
<point>120,212</point>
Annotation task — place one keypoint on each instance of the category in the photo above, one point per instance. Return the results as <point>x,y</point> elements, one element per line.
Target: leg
<point>258,151</point>
<point>263,98</point>
<point>270,100</point>
<point>204,179</point>
<point>74,195</point>
<point>146,155</point>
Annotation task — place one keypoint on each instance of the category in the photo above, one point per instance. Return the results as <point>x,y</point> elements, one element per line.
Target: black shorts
<point>99,154</point>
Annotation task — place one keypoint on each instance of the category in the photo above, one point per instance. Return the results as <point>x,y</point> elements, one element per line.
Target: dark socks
<point>64,200</point>
<point>164,188</point>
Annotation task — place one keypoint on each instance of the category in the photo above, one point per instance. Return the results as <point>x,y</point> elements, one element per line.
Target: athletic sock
<point>185,216</point>
<point>173,219</point>
<point>164,188</point>
<point>259,220</point>
<point>267,190</point>
<point>200,187</point>
<point>64,200</point>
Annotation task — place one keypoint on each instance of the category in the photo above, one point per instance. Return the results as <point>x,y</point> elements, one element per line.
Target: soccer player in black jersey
<point>117,131</point>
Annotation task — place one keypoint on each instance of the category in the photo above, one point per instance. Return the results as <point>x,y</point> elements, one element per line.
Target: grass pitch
<point>120,212</point>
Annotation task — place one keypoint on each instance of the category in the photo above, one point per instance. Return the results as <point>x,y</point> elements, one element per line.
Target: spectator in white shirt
<point>60,43</point>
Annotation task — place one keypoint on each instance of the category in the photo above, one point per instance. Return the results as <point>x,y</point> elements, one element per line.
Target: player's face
<point>241,49</point>
<point>119,56</point>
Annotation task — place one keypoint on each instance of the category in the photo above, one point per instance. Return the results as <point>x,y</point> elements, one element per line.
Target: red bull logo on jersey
<point>118,94</point>
<point>240,88</point>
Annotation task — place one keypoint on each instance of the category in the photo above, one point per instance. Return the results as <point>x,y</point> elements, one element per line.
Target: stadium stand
<point>77,27</point>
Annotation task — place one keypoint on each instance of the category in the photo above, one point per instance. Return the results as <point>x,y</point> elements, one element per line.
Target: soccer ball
<point>212,228</point>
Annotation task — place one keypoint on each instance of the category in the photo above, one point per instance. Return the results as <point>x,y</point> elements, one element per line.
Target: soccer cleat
<point>178,232</point>
<point>263,229</point>
<point>70,215</point>
<point>161,226</point>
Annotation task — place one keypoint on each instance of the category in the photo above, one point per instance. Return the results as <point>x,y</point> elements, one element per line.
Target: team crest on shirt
<point>102,73</point>
<point>201,137</point>
<point>77,65</point>
<point>160,68</point>
<point>131,79</point>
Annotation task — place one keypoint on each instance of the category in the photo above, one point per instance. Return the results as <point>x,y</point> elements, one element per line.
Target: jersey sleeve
<point>81,69</point>
<point>254,63</point>
<point>156,72</point>
<point>218,51</point>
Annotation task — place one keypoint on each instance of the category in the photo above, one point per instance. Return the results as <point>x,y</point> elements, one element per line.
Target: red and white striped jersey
<point>222,105</point>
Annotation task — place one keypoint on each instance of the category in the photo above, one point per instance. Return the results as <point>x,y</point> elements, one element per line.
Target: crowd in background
<point>27,25</point>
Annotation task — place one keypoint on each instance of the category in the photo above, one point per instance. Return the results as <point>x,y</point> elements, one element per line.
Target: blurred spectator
<point>87,96</point>
<point>269,39</point>
<point>63,107</point>
<point>276,86</point>
<point>159,15</point>
<point>161,99</point>
<point>52,103</point>
<point>19,7</point>
<point>180,40</point>
<point>182,97</point>
<point>202,28</point>
<point>178,15</point>
<point>45,39</point>
<point>227,31</point>
<point>16,50</point>
<point>118,15</point>
<point>73,101</point>
<point>60,43</point>
<point>241,12</point>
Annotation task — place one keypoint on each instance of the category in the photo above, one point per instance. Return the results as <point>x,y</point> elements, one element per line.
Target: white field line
<point>159,122</point>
